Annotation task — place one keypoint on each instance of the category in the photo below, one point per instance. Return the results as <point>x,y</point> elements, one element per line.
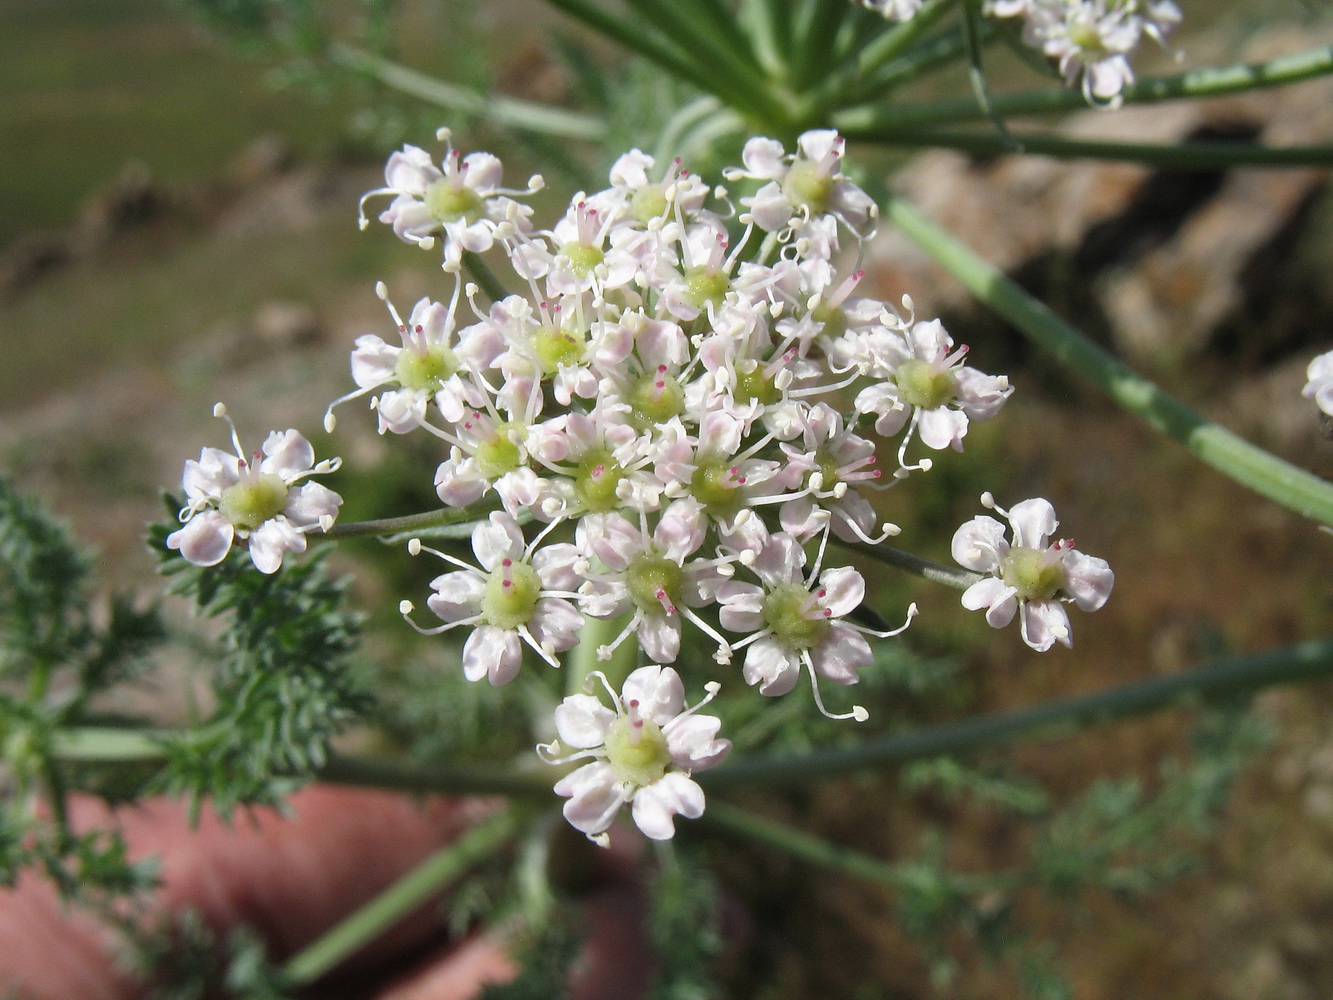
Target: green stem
<point>453,779</point>
<point>759,829</point>
<point>834,89</point>
<point>950,576</point>
<point>1219,680</point>
<point>1180,156</point>
<point>401,898</point>
<point>633,36</point>
<point>529,115</point>
<point>1249,465</point>
<point>816,850</point>
<point>484,276</point>
<point>915,64</point>
<point>424,521</point>
<point>1200,83</point>
<point>100,745</point>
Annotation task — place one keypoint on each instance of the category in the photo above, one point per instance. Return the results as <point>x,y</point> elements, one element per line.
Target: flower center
<point>499,454</point>
<point>653,582</point>
<point>596,480</point>
<point>583,257</point>
<point>655,399</point>
<point>923,385</point>
<point>1036,574</point>
<point>637,750</point>
<point>705,284</point>
<point>833,319</point>
<point>717,484</point>
<point>556,346</point>
<point>795,615</point>
<point>448,201</point>
<point>756,385</point>
<point>511,595</point>
<point>425,371</point>
<point>251,502</point>
<point>648,203</point>
<point>806,184</point>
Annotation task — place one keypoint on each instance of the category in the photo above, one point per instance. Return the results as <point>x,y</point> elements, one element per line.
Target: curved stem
<point>442,518</point>
<point>401,898</point>
<point>950,576</point>
<point>1182,156</point>
<point>1200,83</point>
<point>531,116</point>
<point>1225,678</point>
<point>1230,454</point>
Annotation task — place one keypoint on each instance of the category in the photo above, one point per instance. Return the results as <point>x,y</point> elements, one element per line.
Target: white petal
<point>979,544</point>
<point>658,690</point>
<point>770,665</point>
<point>581,721</point>
<point>205,540</point>
<point>496,539</point>
<point>595,797</point>
<point>270,540</point>
<point>494,653</point>
<point>287,454</point>
<point>1088,580</point>
<point>1033,522</point>
<point>656,806</point>
<point>1045,623</point>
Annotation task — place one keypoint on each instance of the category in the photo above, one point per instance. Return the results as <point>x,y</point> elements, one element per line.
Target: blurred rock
<point>284,325</point>
<point>1168,266</point>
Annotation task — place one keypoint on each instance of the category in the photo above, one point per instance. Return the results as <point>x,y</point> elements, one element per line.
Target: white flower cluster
<point>1090,40</point>
<point>683,404</point>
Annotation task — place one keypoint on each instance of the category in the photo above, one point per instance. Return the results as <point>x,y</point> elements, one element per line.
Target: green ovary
<point>556,346</point>
<point>596,480</point>
<point>703,285</point>
<point>583,257</point>
<point>498,455</point>
<point>650,575</point>
<point>640,758</point>
<point>250,503</point>
<point>833,319</point>
<point>655,399</point>
<point>511,596</point>
<point>713,485</point>
<point>805,184</point>
<point>425,372</point>
<point>1033,573</point>
<point>756,385</point>
<point>783,611</point>
<point>450,202</point>
<point>648,203</point>
<point>922,385</point>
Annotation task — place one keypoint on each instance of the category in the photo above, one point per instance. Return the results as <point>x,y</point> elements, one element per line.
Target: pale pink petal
<point>1088,580</point>
<point>658,691</point>
<point>979,544</point>
<point>771,666</point>
<point>493,653</point>
<point>1033,522</point>
<point>205,540</point>
<point>581,721</point>
<point>655,807</point>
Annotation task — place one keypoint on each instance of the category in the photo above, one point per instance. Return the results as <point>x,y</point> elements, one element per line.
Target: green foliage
<point>55,657</point>
<point>283,684</point>
<point>184,959</point>
<point>685,921</point>
<point>544,962</point>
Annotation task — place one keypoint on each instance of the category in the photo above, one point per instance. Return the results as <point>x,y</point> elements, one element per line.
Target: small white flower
<point>255,499</point>
<point>463,199</point>
<point>517,596</point>
<point>1320,384</point>
<point>642,753</point>
<point>1033,576</point>
<point>895,10</point>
